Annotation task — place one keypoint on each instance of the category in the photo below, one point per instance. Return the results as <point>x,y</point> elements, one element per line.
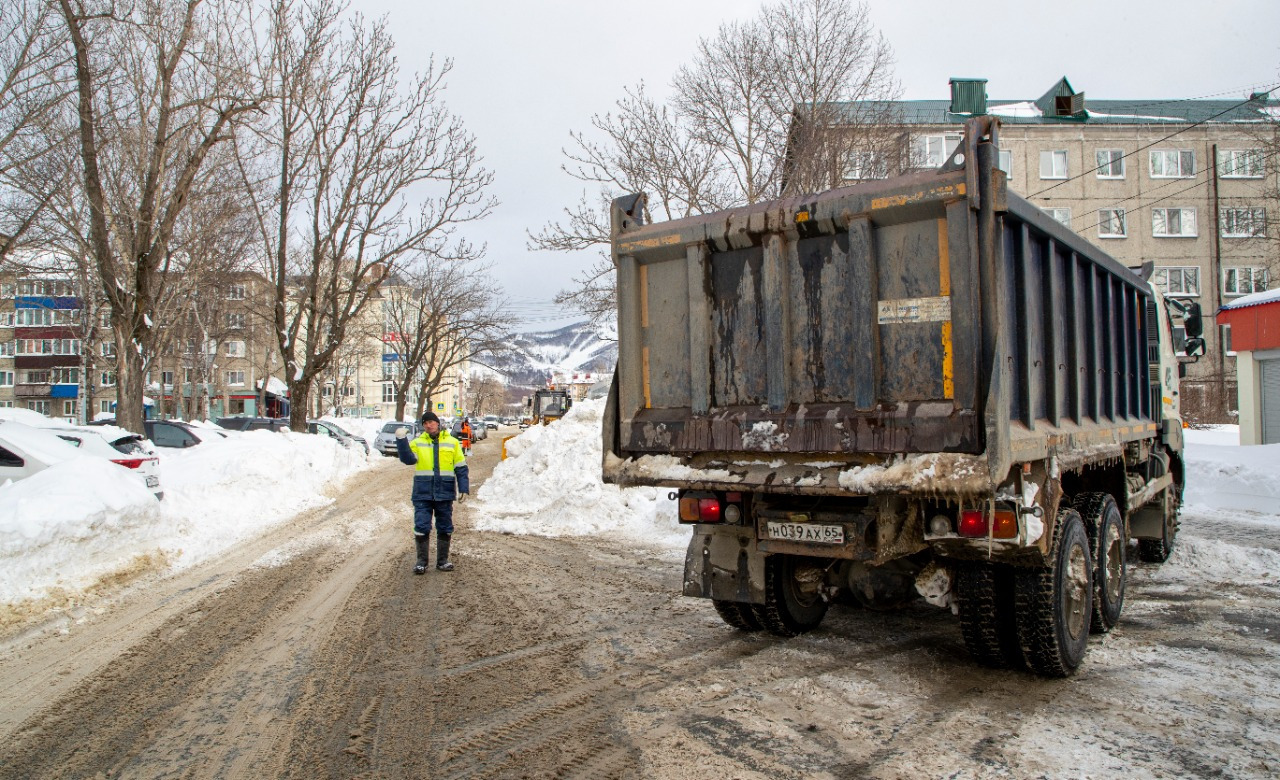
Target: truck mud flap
<point>723,563</point>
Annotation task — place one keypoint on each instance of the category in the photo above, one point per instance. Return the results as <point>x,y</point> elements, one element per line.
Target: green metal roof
<point>1039,111</point>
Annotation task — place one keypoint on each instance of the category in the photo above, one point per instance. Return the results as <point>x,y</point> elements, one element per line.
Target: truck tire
<point>740,616</point>
<point>1054,602</point>
<point>1105,528</point>
<point>1158,550</point>
<point>794,601</point>
<point>985,598</point>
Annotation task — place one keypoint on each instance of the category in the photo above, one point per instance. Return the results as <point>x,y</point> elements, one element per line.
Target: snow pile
<point>1223,475</point>
<point>78,522</point>
<point>550,485</point>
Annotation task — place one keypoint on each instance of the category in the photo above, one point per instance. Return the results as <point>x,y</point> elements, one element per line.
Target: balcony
<point>32,391</point>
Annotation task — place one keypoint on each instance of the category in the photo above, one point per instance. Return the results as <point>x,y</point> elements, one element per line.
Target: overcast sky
<point>527,73</point>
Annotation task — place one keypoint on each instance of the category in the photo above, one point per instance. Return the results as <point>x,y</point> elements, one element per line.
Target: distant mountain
<point>534,357</point>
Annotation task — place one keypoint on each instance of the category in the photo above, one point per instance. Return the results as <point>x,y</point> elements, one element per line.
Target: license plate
<point>806,532</point>
<point>153,481</point>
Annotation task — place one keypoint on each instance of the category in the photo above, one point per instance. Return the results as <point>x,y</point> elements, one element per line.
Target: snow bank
<point>74,524</point>
<point>550,485</point>
<point>1223,475</point>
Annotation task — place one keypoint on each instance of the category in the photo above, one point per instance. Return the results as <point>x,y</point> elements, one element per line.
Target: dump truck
<point>922,386</point>
<point>548,405</point>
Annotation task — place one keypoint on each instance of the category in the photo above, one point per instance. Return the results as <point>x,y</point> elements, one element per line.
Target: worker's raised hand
<point>402,432</point>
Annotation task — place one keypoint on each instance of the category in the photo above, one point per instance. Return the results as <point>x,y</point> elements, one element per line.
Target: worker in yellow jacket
<point>440,477</point>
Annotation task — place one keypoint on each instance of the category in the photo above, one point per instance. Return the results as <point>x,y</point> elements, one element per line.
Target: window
<point>1053,164</point>
<point>235,292</point>
<point>68,408</point>
<point>66,376</point>
<point>235,378</point>
<point>42,407</point>
<point>1240,163</point>
<point>1061,215</point>
<point>6,379</point>
<point>8,348</point>
<point>36,377</point>
<point>104,320</point>
<point>104,406</point>
<point>166,377</point>
<point>35,317</point>
<point>1224,332</point>
<point>388,393</point>
<point>1173,163</point>
<point>1178,281</point>
<point>6,319</point>
<point>235,349</point>
<point>1111,223</point>
<point>108,379</point>
<point>862,164</point>
<point>48,346</point>
<point>1244,223</point>
<point>933,150</point>
<point>1243,280</point>
<point>8,289</point>
<point>1110,163</point>
<point>187,375</point>
<point>1168,223</point>
<point>1005,162</point>
<point>235,321</point>
<point>107,349</point>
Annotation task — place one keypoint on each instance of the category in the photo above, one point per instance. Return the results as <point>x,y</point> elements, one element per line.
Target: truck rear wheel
<point>1158,550</point>
<point>1105,529</point>
<point>1054,602</point>
<point>794,601</point>
<point>985,598</point>
<point>740,616</point>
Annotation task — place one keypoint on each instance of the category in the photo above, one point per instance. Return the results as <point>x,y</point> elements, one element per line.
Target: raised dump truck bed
<point>887,356</point>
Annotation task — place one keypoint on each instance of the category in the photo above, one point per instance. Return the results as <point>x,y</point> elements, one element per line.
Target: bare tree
<point>438,319</point>
<point>485,393</point>
<point>32,93</point>
<point>750,117</point>
<point>347,149</point>
<point>158,87</point>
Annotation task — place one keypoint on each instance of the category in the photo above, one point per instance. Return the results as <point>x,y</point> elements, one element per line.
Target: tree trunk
<point>129,382</point>
<point>299,403</point>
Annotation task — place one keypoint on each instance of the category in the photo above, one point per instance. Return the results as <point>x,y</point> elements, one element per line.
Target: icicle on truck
<point>920,385</point>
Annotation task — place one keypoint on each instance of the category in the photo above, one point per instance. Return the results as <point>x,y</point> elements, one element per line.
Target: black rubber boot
<point>423,545</point>
<point>442,552</point>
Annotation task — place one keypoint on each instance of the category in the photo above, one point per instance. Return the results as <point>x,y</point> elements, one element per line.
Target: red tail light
<point>131,463</point>
<point>973,523</point>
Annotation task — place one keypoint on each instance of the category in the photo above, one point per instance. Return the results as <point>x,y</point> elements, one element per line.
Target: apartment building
<point>1184,184</point>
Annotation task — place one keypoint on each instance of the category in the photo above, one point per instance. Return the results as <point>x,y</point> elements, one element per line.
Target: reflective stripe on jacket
<point>440,471</point>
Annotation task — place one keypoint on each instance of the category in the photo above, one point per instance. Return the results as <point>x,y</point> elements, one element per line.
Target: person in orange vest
<point>465,438</point>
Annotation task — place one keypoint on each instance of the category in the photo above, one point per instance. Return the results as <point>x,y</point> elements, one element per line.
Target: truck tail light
<point>699,510</point>
<point>130,463</point>
<point>974,524</point>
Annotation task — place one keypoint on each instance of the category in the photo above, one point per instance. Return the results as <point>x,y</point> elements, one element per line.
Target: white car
<point>106,441</point>
<point>25,451</point>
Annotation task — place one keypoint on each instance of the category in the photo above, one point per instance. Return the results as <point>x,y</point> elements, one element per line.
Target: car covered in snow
<point>31,449</point>
<point>335,431</point>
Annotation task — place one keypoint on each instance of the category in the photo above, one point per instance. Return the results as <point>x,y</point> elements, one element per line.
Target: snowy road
<point>313,653</point>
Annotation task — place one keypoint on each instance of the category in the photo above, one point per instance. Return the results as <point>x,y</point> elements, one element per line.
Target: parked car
<point>345,438</point>
<point>25,450</point>
<point>122,447</point>
<point>385,441</point>
<point>254,423</point>
<point>491,421</point>
<point>478,429</point>
<point>173,433</point>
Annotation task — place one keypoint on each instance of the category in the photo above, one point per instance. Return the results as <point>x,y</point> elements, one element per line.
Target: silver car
<point>385,441</point>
